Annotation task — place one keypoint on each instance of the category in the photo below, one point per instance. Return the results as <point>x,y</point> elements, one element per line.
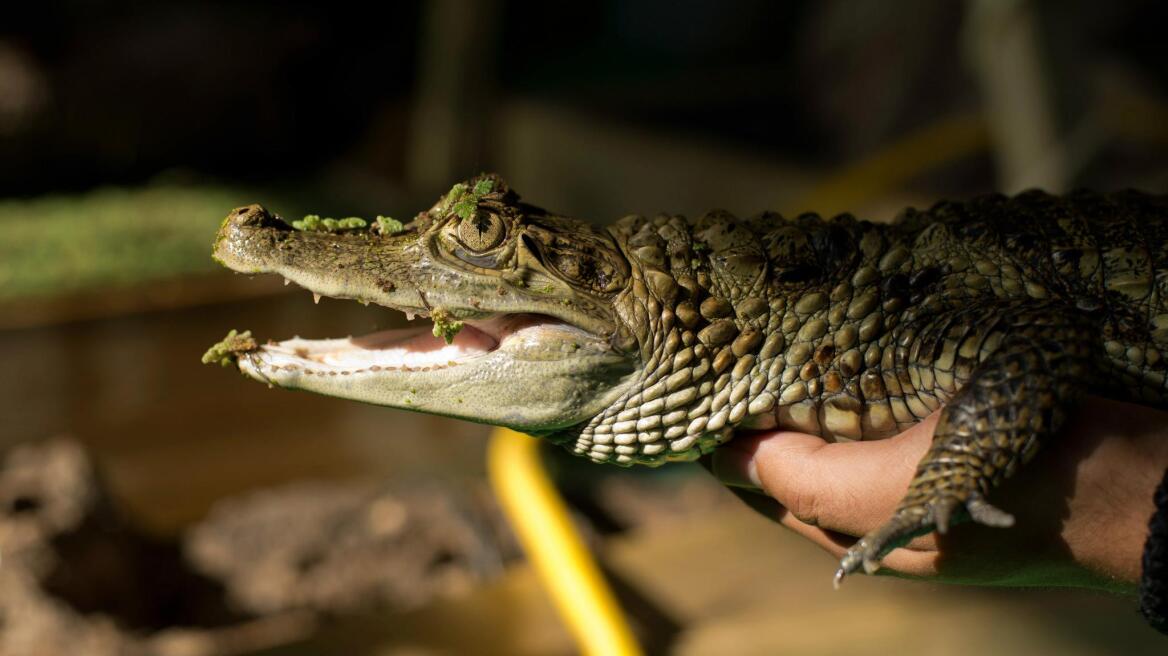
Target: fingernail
<point>736,468</point>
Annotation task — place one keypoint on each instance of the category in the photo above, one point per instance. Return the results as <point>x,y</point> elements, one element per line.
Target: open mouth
<point>517,347</point>
<point>413,349</point>
<point>530,316</point>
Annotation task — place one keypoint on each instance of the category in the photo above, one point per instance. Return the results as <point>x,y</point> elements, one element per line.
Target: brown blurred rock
<point>49,497</point>
<point>262,572</point>
<point>338,547</point>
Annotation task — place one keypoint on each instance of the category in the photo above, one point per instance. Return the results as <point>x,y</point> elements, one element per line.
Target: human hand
<point>1081,506</point>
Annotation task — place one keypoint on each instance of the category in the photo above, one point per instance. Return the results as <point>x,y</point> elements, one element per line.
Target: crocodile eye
<point>481,232</point>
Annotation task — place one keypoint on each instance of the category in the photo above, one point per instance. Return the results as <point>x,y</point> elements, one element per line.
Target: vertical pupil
<point>480,231</point>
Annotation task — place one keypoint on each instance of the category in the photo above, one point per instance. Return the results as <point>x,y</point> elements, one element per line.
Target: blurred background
<point>151,505</point>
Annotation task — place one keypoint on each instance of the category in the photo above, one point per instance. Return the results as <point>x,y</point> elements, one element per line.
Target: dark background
<point>267,92</point>
<point>128,130</point>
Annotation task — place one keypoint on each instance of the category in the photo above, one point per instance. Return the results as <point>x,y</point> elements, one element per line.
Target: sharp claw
<point>984,513</point>
<point>941,514</point>
<point>937,514</point>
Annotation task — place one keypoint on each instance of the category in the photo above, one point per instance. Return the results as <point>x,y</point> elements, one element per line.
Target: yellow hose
<point>554,548</point>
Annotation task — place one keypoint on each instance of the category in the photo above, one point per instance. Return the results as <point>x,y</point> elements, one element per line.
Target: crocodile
<point>654,339</point>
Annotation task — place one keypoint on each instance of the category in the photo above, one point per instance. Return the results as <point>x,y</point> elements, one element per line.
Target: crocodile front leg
<point>1033,366</point>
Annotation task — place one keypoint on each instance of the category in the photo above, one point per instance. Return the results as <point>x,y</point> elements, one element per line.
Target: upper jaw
<point>354,264</point>
<point>395,271</point>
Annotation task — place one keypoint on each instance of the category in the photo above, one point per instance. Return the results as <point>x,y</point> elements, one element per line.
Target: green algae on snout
<point>226,353</point>
<point>313,223</point>
<point>463,200</point>
<point>308,223</point>
<point>445,326</point>
<point>389,225</point>
<point>351,223</point>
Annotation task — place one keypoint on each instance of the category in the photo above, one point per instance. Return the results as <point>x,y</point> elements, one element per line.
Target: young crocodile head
<point>527,332</point>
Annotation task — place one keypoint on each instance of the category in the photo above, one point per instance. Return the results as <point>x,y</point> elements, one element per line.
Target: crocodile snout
<point>255,216</point>
<point>247,236</point>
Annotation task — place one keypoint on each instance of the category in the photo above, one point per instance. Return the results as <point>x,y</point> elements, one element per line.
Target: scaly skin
<point>1002,310</point>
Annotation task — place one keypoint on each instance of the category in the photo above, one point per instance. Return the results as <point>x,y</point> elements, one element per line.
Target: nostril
<point>256,216</point>
<point>245,215</point>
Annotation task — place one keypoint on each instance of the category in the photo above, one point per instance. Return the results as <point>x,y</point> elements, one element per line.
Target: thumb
<point>850,487</point>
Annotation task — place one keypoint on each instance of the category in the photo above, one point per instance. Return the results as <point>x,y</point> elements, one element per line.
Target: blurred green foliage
<point>68,243</point>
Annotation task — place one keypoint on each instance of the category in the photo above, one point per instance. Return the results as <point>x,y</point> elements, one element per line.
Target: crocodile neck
<point>727,344</point>
<point>809,324</point>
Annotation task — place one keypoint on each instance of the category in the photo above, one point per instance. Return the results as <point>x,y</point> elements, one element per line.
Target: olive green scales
<point>654,339</point>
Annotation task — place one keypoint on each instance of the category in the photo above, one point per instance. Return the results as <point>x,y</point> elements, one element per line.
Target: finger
<point>735,464</point>
<point>905,560</point>
<point>847,487</point>
<point>913,560</point>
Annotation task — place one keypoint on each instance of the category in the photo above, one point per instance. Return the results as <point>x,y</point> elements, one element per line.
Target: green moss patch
<point>463,200</point>
<point>313,223</point>
<point>445,325</point>
<point>389,225</point>
<point>227,351</point>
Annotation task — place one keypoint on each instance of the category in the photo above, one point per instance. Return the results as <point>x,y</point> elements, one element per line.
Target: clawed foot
<point>916,519</point>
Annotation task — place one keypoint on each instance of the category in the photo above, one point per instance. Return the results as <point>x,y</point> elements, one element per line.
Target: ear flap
<point>580,254</point>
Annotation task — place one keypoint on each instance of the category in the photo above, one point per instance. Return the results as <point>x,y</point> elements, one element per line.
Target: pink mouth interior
<point>408,348</point>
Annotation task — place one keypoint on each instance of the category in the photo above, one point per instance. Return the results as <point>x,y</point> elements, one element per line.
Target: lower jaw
<point>540,377</point>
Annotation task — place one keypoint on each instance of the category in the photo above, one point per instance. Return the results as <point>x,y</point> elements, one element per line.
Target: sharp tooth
<point>409,316</point>
<point>287,282</point>
<point>315,297</point>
